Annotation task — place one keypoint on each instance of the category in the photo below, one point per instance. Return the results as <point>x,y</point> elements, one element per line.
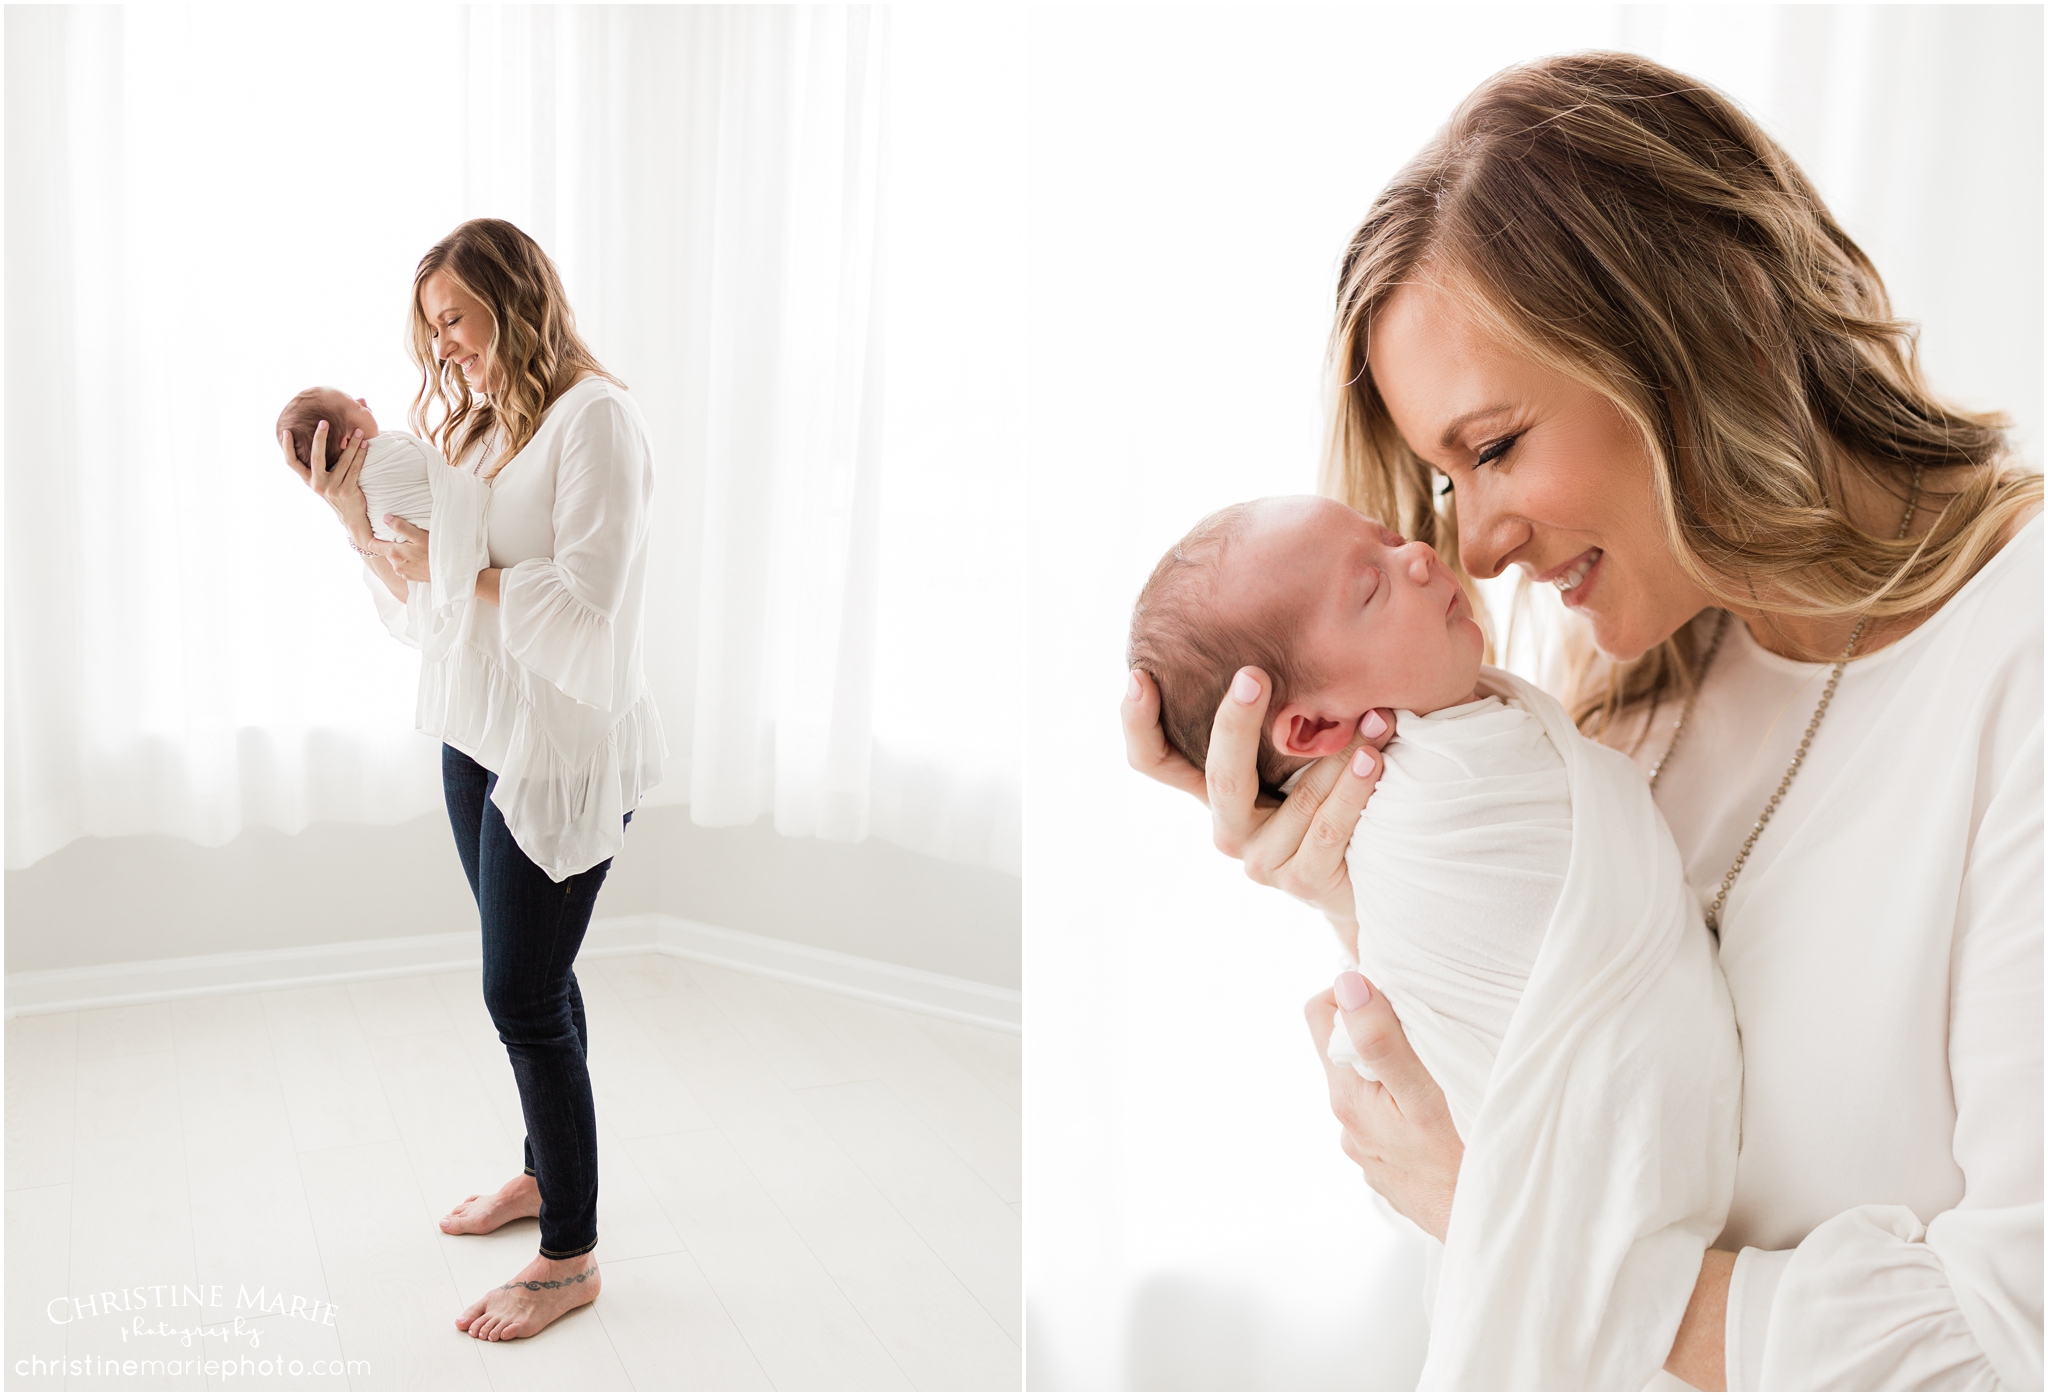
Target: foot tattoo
<point>537,1285</point>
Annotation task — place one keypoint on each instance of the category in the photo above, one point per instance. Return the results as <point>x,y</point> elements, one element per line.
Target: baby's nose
<point>1421,558</point>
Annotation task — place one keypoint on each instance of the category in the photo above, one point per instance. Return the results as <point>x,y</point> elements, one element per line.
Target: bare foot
<point>535,1298</point>
<point>477,1214</point>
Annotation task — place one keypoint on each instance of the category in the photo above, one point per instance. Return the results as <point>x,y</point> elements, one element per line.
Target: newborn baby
<point>396,473</point>
<point>1522,907</point>
<point>1345,616</point>
<point>405,476</point>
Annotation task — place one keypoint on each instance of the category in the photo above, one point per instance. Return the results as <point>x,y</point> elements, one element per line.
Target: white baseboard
<point>255,971</point>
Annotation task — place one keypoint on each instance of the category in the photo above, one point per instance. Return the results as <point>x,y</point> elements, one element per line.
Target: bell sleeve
<point>458,542</point>
<point>1872,1298</point>
<point>557,612</point>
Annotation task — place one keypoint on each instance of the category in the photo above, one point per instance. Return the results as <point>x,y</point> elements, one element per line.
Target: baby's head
<point>1342,613</point>
<point>303,415</point>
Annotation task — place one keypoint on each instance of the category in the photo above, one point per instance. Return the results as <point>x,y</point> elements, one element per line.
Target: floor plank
<point>957,1214</point>
<point>799,1325</point>
<point>937,1332</point>
<point>945,1095</point>
<point>42,1098</point>
<point>398,1007</point>
<point>671,1331</point>
<point>723,1071</point>
<point>127,1031</point>
<point>799,1049</point>
<point>323,1061</point>
<point>995,1058</point>
<point>38,1273</point>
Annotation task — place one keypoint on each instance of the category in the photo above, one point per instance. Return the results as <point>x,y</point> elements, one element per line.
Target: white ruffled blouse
<point>547,688</point>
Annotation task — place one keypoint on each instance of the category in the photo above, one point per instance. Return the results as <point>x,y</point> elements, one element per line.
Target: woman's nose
<point>1485,539</point>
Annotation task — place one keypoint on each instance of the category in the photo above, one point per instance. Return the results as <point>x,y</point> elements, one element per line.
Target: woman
<point>549,734</point>
<point>1603,328</point>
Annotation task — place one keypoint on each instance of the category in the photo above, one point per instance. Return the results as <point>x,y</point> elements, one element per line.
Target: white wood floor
<point>797,1190</point>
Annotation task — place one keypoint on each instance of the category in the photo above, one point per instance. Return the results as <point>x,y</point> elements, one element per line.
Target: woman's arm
<point>1877,1296</point>
<point>1873,1297</point>
<point>386,574</point>
<point>407,561</point>
<point>1699,1352</point>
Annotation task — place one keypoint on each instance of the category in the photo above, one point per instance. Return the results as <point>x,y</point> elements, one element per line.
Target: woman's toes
<point>469,1317</point>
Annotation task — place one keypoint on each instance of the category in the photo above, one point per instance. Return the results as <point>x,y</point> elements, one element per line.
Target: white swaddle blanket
<point>397,478</point>
<point>1524,909</point>
<point>403,475</point>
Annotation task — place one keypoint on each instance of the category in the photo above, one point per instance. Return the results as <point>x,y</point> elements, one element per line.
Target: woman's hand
<point>337,486</point>
<point>1297,846</point>
<point>408,555</point>
<point>1397,1129</point>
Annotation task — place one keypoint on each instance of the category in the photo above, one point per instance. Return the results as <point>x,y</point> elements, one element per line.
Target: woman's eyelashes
<point>1489,454</point>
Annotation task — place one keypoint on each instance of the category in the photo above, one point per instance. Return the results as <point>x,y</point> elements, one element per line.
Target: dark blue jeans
<point>533,927</point>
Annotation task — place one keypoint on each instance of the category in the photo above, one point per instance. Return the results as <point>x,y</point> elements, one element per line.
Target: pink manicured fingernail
<point>1245,689</point>
<point>1361,764</point>
<point>1371,725</point>
<point>1133,690</point>
<point>1353,993</point>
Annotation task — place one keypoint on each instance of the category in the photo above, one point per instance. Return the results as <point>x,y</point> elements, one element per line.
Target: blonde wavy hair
<point>1634,231</point>
<point>534,347</point>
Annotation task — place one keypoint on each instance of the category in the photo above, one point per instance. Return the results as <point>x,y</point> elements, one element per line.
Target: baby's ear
<point>1295,731</point>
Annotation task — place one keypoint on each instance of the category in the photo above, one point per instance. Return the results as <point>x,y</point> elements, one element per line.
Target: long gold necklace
<point>1798,757</point>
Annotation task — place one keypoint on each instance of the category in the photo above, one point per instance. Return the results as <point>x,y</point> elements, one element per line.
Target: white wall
<point>147,897</point>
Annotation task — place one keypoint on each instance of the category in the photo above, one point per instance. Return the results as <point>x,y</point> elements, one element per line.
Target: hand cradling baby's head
<point>343,414</point>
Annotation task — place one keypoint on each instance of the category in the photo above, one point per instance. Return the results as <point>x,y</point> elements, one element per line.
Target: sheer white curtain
<point>203,218</point>
<point>712,182</point>
<point>1194,174</point>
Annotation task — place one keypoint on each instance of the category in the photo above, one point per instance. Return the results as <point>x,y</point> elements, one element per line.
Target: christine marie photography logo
<point>175,1315</point>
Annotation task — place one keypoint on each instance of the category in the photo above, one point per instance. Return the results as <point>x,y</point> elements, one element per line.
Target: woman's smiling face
<point>1548,474</point>
<point>462,328</point>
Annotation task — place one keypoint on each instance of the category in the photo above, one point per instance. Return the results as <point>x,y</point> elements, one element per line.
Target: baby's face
<point>1384,623</point>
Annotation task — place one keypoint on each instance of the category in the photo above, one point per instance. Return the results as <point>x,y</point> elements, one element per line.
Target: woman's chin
<point>1620,640</point>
